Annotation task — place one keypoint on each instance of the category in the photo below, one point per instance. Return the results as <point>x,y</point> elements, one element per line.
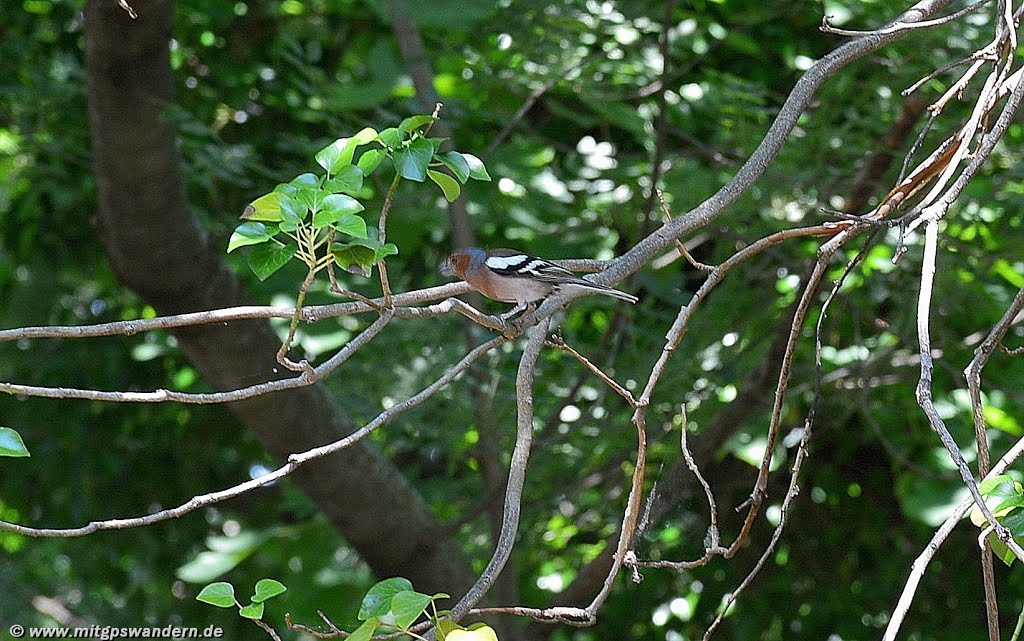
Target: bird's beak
<point>446,269</point>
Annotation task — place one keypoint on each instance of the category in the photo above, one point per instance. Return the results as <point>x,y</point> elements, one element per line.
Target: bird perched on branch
<point>510,276</point>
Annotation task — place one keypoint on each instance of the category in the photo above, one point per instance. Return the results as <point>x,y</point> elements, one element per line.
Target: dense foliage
<point>261,87</point>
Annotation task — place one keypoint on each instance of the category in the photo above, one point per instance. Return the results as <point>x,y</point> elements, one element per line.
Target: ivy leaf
<point>292,213</point>
<point>448,185</point>
<point>334,208</point>
<point>250,233</point>
<point>477,171</point>
<point>267,208</point>
<point>458,165</point>
<point>483,633</point>
<point>407,606</point>
<point>370,160</point>
<point>11,443</point>
<point>252,611</point>
<point>412,123</point>
<point>267,259</point>
<point>338,155</point>
<point>411,162</point>
<point>390,137</point>
<point>349,180</point>
<point>267,589</point>
<point>365,631</point>
<point>377,601</point>
<point>220,594</point>
<point>305,180</point>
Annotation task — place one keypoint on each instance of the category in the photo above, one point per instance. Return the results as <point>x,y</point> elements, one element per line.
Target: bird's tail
<point>602,289</point>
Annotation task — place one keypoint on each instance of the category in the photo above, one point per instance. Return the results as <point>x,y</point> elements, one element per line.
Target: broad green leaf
<point>250,233</point>
<point>349,180</point>
<point>1001,550</point>
<point>436,143</point>
<point>483,633</point>
<point>370,160</point>
<point>389,249</point>
<point>220,594</point>
<point>267,208</point>
<point>377,601</point>
<point>267,259</point>
<point>252,611</point>
<point>477,171</point>
<point>411,162</point>
<point>454,161</point>
<point>412,123</point>
<point>1009,503</point>
<point>310,198</point>
<point>11,443</point>
<point>391,137</point>
<point>334,208</point>
<point>1014,521</point>
<point>986,486</point>
<point>352,225</point>
<point>285,188</point>
<point>267,589</point>
<point>365,631</point>
<point>305,180</point>
<point>408,606</point>
<point>448,185</point>
<point>338,155</point>
<point>292,213</point>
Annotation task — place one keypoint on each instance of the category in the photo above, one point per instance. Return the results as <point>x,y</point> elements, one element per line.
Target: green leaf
<point>220,594</point>
<point>455,162</point>
<point>11,443</point>
<point>1001,550</point>
<point>477,171</point>
<point>305,180</point>
<point>986,486</point>
<point>267,208</point>
<point>365,631</point>
<point>436,143</point>
<point>408,606</point>
<point>267,259</point>
<point>349,180</point>
<point>292,213</point>
<point>377,601</point>
<point>412,123</point>
<point>482,633</point>
<point>267,589</point>
<point>390,137</point>
<point>448,185</point>
<point>334,208</point>
<point>1014,522</point>
<point>249,233</point>
<point>338,155</point>
<point>352,225</point>
<point>370,160</point>
<point>411,162</point>
<point>252,611</point>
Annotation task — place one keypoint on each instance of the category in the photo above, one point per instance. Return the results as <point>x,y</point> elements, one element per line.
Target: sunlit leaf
<point>365,631</point>
<point>248,233</point>
<point>252,611</point>
<point>370,160</point>
<point>377,601</point>
<point>483,633</point>
<point>11,443</point>
<point>412,123</point>
<point>477,171</point>
<point>448,185</point>
<point>267,589</point>
<point>407,606</point>
<point>220,594</point>
<point>334,207</point>
<point>266,208</point>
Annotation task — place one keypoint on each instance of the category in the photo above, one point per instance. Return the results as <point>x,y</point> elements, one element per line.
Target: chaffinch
<point>510,276</point>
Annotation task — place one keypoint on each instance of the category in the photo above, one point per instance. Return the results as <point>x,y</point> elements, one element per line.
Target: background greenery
<point>263,85</point>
